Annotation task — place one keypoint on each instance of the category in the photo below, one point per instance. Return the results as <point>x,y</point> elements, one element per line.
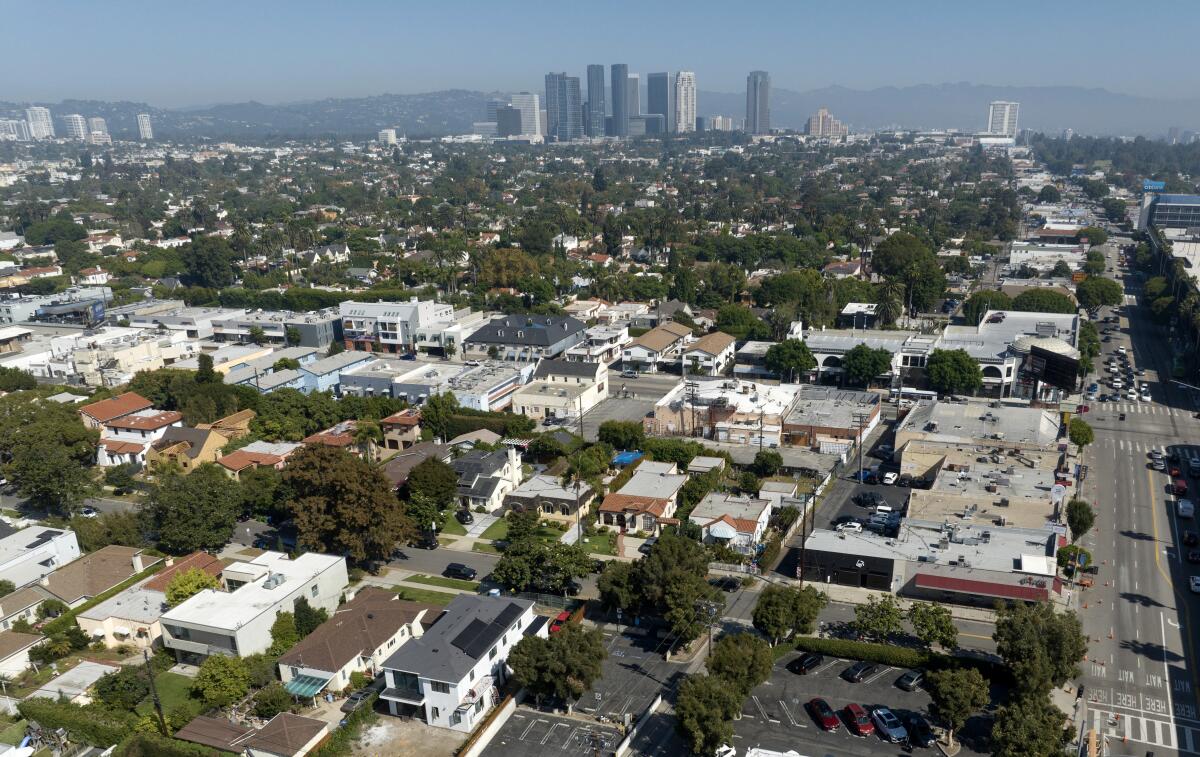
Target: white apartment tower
<point>40,124</point>
<point>1002,118</point>
<point>96,123</point>
<point>685,101</point>
<point>77,126</point>
<point>145,131</point>
<point>387,136</point>
<point>530,108</point>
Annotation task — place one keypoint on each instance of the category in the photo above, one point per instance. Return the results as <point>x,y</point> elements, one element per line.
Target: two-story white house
<point>237,621</point>
<point>484,478</point>
<point>662,344</point>
<point>357,638</point>
<point>450,676</point>
<point>128,438</point>
<point>30,554</point>
<point>562,389</point>
<point>710,355</point>
<point>601,344</point>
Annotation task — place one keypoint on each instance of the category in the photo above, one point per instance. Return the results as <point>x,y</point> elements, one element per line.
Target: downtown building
<point>145,130</point>
<point>823,124</point>
<point>77,126</point>
<point>564,108</point>
<point>758,112</point>
<point>619,74</point>
<point>41,126</point>
<point>1002,118</point>
<point>597,101</point>
<point>685,101</point>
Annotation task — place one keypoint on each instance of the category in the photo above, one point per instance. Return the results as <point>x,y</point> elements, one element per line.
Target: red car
<point>824,714</point>
<point>559,621</point>
<point>858,720</point>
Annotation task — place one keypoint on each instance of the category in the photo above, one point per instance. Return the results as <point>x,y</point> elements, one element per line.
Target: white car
<point>889,478</point>
<point>854,527</point>
<point>1194,584</point>
<point>89,512</point>
<point>1122,349</point>
<point>1145,394</point>
<point>1132,395</point>
<point>1118,384</point>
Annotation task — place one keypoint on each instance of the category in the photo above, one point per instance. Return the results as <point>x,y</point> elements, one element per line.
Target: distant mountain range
<point>961,106</point>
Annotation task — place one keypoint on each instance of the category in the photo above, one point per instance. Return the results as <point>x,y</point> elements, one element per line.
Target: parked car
<point>629,373</point>
<point>852,527</point>
<point>889,726</point>
<point>1190,539</point>
<point>911,680</point>
<point>890,477</point>
<point>356,700</point>
<point>458,570</point>
<point>726,583</point>
<point>1193,555</point>
<point>919,732</point>
<point>90,512</point>
<point>859,671</point>
<point>805,663</point>
<point>464,516</point>
<point>1194,584</point>
<point>857,720</point>
<point>559,621</point>
<point>824,714</point>
<point>647,545</point>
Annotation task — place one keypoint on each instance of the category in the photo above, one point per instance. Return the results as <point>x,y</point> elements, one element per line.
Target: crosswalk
<point>1130,445</point>
<point>1120,727</point>
<point>1138,408</point>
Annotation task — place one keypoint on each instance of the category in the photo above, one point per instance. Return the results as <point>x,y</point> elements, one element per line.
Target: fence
<point>627,743</point>
<point>734,568</point>
<point>495,721</point>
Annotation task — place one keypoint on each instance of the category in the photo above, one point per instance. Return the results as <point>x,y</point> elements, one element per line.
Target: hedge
<point>92,724</point>
<point>886,654</point>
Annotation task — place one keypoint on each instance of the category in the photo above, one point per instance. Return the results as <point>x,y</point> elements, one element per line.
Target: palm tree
<point>891,302</point>
<point>367,436</point>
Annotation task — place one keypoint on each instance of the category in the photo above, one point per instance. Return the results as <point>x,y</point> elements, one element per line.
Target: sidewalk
<point>853,595</point>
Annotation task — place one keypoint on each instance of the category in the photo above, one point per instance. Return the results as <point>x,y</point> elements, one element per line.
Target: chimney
<point>138,563</point>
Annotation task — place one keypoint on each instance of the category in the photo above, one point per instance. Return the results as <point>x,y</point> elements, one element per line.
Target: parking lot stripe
<point>879,675</point>
<point>553,727</point>
<point>788,712</point>
<point>763,710</point>
<point>827,667</point>
<point>529,727</point>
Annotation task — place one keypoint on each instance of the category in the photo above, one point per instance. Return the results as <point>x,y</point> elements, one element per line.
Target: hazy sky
<point>174,53</point>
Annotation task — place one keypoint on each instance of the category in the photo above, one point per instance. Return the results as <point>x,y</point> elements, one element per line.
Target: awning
<point>305,686</point>
<point>1028,590</point>
<point>123,631</point>
<point>98,632</point>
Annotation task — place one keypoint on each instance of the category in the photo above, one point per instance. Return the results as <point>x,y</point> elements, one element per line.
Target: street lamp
<point>710,609</point>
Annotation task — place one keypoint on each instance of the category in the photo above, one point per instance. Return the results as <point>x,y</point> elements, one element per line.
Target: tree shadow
<point>1138,535</point>
<point>1151,651</point>
<point>1141,599</point>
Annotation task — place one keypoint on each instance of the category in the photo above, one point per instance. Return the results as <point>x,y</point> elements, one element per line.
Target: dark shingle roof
<point>530,330</point>
<point>565,368</point>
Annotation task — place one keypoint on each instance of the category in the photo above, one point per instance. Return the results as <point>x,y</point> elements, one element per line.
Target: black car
<point>859,671</point>
<point>356,700</point>
<point>464,516</point>
<point>458,570</point>
<point>1193,555</point>
<point>911,680</point>
<point>905,480</point>
<point>598,566</point>
<point>869,499</point>
<point>726,583</point>
<point>919,732</point>
<point>1190,539</point>
<point>805,663</point>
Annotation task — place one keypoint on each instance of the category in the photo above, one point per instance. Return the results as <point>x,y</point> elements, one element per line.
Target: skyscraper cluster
<point>39,124</point>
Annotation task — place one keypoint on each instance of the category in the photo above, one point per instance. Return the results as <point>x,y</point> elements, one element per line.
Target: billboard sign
<point>1149,185</point>
<point>1052,368</point>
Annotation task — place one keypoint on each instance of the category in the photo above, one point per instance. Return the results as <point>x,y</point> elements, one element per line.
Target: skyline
<point>414,49</point>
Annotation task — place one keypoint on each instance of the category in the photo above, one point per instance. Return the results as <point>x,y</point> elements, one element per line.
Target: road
<point>1139,679</point>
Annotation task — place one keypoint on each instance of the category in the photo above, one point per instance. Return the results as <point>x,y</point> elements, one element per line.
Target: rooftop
<point>97,572</point>
<point>114,407</point>
<point>980,421</point>
<point>470,626</point>
<point>233,609</point>
<point>830,407</point>
<point>745,397</point>
<point>146,420</point>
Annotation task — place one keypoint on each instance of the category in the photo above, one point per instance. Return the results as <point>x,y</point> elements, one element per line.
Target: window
<point>439,687</point>
<point>295,671</point>
<point>455,718</point>
<point>436,714</point>
<point>492,653</point>
<point>313,591</point>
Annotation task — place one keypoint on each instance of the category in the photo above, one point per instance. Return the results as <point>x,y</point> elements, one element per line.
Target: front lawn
<point>449,583</point>
<point>451,526</point>
<point>601,544</point>
<point>13,733</point>
<point>498,530</point>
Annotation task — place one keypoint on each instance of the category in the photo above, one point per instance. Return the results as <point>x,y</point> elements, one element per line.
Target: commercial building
<point>77,126</point>
<point>491,386</point>
<point>237,621</point>
<point>597,100</point>
<point>1005,424</point>
<point>619,73</point>
<point>41,125</point>
<point>525,338</point>
<point>564,107</point>
<point>450,676</point>
<point>660,98</point>
<point>145,130</point>
<point>1043,257</point>
<point>410,381</point>
<point>386,137</point>
<point>731,411</point>
<point>685,102</point>
<point>1169,211</point>
<point>758,111</point>
<point>562,389</point>
<point>390,326</point>
<point>80,305</point>
<point>529,106</point>
<point>1002,118</point>
<point>318,328</point>
<point>97,124</point>
<point>829,419</point>
<point>196,322</point>
<point>823,124</point>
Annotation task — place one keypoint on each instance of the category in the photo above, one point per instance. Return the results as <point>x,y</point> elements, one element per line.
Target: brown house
<point>231,426</point>
<point>187,448</point>
<point>97,414</point>
<point>401,430</point>
<point>93,574</point>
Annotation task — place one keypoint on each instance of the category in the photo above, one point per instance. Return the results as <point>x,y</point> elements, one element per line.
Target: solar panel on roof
<point>507,616</point>
<point>471,638</point>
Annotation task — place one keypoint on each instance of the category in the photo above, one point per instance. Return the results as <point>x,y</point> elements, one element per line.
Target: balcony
<point>478,691</point>
<point>404,694</point>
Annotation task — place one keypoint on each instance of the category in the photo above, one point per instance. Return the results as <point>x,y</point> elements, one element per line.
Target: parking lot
<point>632,675</point>
<point>532,732</point>
<point>775,715</point>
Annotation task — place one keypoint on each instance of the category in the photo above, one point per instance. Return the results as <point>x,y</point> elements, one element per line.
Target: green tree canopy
<point>898,252</point>
<point>1080,517</point>
<point>789,359</point>
<point>196,511</point>
<point>879,619</point>
<point>622,435</point>
<point>565,665</point>
<point>1049,194</point>
<point>862,363</point>
<point>1095,291</point>
<point>283,633</point>
<point>782,611</point>
<point>1029,726</point>
<point>221,680</point>
<point>1043,301</point>
<point>743,660</point>
<point>1095,235</point>
<point>741,322</point>
<point>957,693</point>
<point>704,711</point>
<point>1081,433</point>
<point>981,302</point>
<point>343,505</point>
<point>188,582</point>
<point>953,372</point>
<point>1041,646</point>
<point>208,262</point>
<point>433,479</point>
<point>436,414</point>
<point>933,625</point>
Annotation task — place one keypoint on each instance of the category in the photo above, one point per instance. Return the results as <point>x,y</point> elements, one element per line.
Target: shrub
<point>271,701</point>
<point>92,724</point>
<point>885,654</point>
<point>148,744</point>
<point>770,552</point>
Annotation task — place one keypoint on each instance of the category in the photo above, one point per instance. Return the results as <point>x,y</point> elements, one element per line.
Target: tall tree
<point>979,303</point>
<point>1095,291</point>
<point>1080,517</point>
<point>1041,646</point>
<point>862,363</point>
<point>879,619</point>
<point>789,358</point>
<point>208,262</point>
<point>1029,726</point>
<point>196,511</point>
<point>933,624</point>
<point>343,505</point>
<point>704,711</point>
<point>953,372</point>
<point>743,660</point>
<point>564,665</point>
<point>783,610</point>
<point>436,413</point>
<point>221,680</point>
<point>956,694</point>
<point>1081,433</point>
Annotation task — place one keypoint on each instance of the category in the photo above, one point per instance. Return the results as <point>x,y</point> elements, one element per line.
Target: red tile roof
<point>623,503</point>
<point>210,564</point>
<point>146,422</point>
<point>239,460</point>
<point>116,447</point>
<point>115,407</point>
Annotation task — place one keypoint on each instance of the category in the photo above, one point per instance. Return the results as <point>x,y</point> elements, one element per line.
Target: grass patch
<point>484,547</point>
<point>601,544</point>
<point>173,689</point>
<point>13,733</point>
<point>451,526</point>
<point>449,583</point>
<point>427,596</point>
<point>498,530</point>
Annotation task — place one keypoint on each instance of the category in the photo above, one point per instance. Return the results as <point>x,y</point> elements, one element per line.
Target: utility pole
<point>860,419</point>
<point>162,723</point>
